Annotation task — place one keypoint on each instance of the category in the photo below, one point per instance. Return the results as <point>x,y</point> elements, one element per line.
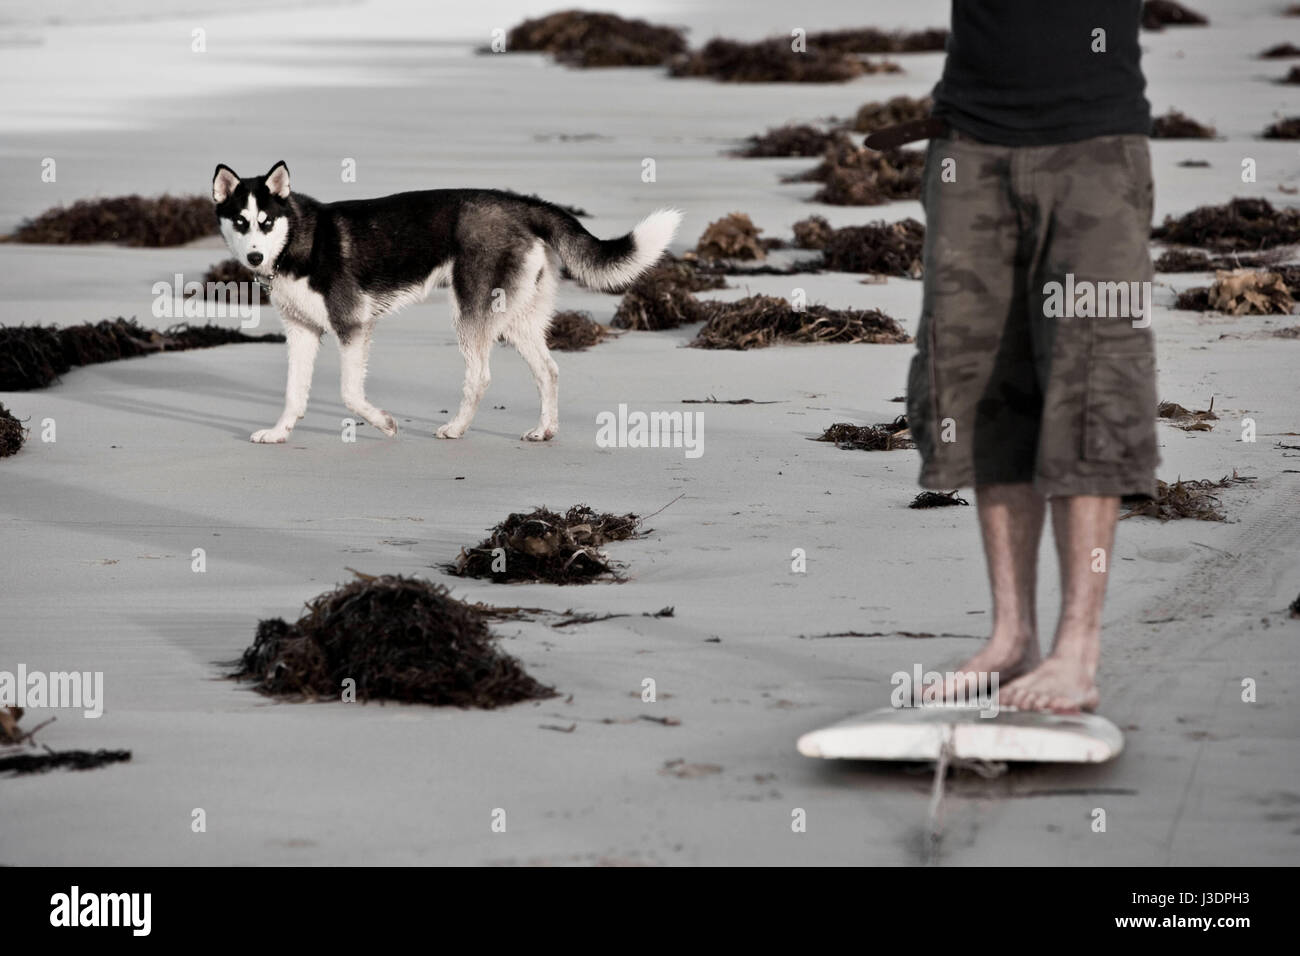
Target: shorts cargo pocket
<point>1119,420</point>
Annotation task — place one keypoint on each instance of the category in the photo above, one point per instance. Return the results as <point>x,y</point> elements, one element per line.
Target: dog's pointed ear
<point>224,182</point>
<point>277,180</point>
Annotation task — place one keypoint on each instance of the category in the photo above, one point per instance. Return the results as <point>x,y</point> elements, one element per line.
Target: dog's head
<point>254,215</point>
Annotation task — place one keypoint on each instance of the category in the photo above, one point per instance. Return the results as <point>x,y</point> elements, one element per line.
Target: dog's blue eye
<point>241,224</point>
<point>266,224</point>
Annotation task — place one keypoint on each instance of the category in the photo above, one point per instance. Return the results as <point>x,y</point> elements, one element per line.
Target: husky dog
<point>340,266</point>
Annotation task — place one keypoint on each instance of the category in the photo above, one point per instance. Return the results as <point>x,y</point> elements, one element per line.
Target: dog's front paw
<point>541,433</point>
<point>269,436</point>
<point>450,430</point>
<point>386,424</point>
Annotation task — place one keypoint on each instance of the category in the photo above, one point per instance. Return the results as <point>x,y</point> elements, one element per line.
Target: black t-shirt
<point>1027,72</point>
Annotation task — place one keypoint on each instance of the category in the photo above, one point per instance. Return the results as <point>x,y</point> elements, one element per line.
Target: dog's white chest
<point>296,302</point>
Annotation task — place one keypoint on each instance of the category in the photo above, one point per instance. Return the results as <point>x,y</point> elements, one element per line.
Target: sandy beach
<point>152,460</point>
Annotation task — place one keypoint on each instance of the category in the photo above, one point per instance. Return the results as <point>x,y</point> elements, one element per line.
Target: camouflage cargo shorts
<point>1035,358</point>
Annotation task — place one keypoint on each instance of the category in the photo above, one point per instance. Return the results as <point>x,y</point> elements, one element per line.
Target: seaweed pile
<point>883,436</point>
<point>33,356</point>
<point>15,760</point>
<point>1178,125</point>
<point>1186,499</point>
<point>899,109</point>
<point>732,237</point>
<point>1157,14</point>
<point>1243,292</point>
<point>1288,128</point>
<point>1185,418</point>
<point>1241,224</point>
<point>1246,292</point>
<point>1196,260</point>
<point>881,248</point>
<point>397,638</point>
<point>812,233</point>
<point>774,61</point>
<point>938,499</point>
<point>857,176</point>
<point>790,140</point>
<point>581,39</point>
<point>1282,51</point>
<point>20,763</point>
<point>872,40</point>
<point>543,545</point>
<point>661,298</point>
<point>759,321</point>
<point>12,433</point>
<point>573,331</point>
<point>126,220</point>
<point>230,270</point>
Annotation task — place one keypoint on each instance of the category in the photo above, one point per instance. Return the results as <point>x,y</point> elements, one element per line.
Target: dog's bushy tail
<point>609,265</point>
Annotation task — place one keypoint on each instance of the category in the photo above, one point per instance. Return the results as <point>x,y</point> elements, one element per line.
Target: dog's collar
<point>265,281</point>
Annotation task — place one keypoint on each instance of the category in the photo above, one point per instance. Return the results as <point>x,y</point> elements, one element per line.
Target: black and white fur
<point>340,266</point>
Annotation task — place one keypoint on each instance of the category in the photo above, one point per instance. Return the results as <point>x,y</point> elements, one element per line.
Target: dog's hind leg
<point>527,331</point>
<point>354,353</point>
<point>475,335</point>
<point>304,342</point>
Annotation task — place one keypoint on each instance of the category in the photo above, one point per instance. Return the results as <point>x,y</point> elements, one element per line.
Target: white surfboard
<point>919,733</point>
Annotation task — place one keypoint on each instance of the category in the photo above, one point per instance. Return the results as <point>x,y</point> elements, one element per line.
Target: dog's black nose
<point>254,258</point>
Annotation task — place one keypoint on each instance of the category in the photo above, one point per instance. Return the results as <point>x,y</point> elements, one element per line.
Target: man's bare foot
<point>1061,685</point>
<point>1007,658</point>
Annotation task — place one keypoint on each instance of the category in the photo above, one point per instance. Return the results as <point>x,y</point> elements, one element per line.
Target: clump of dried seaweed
<point>732,237</point>
<point>857,176</point>
<point>543,545</point>
<point>1247,292</point>
<point>662,299</point>
<point>812,233</point>
<point>1282,51</point>
<point>882,436</point>
<point>1185,418</point>
<point>873,40</point>
<point>12,433</point>
<point>1195,299</point>
<point>1241,224</point>
<point>880,248</point>
<point>1156,14</point>
<point>789,140</point>
<point>582,39</point>
<point>1186,499</point>
<point>938,499</point>
<point>231,270</point>
<point>573,331</point>
<point>1178,125</point>
<point>397,638</point>
<point>899,109</point>
<point>1197,260</point>
<point>1243,292</point>
<point>762,320</point>
<point>127,220</point>
<point>33,356</point>
<point>16,760</point>
<point>774,61</point>
<point>1288,128</point>
<point>61,759</point>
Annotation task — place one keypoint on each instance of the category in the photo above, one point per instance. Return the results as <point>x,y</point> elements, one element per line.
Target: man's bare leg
<point>1011,524</point>
<point>1065,681</point>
